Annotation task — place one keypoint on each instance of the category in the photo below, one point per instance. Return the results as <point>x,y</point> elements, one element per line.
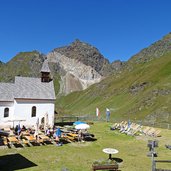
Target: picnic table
<point>13,140</point>
<point>44,138</point>
<point>105,167</point>
<point>72,135</point>
<point>30,138</point>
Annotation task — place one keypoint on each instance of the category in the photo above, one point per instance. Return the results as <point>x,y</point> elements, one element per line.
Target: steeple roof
<point>45,66</point>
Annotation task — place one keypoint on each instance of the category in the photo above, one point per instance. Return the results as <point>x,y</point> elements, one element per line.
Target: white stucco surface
<point>21,110</point>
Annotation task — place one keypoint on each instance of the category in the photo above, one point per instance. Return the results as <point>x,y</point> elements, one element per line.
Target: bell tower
<point>45,72</point>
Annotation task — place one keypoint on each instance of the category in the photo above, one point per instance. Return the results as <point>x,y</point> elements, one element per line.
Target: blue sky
<point>118,28</point>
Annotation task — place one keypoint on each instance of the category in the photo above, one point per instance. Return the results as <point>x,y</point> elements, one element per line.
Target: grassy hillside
<point>24,64</point>
<point>142,92</point>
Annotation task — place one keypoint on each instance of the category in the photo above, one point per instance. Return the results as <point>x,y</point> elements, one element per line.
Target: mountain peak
<point>85,53</point>
<point>78,43</point>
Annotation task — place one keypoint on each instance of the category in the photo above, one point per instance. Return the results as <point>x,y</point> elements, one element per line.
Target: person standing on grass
<point>107,114</point>
<point>80,135</point>
<point>58,136</point>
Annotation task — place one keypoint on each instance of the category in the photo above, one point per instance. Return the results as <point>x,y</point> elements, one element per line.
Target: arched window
<point>6,112</point>
<point>33,112</point>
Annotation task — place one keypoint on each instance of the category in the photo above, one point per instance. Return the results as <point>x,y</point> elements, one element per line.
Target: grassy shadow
<point>118,160</point>
<point>14,162</point>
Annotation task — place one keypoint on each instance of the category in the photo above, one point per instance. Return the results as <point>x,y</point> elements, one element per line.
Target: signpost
<point>152,153</point>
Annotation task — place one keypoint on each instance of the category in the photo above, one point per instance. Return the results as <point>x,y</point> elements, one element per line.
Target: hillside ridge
<point>138,89</point>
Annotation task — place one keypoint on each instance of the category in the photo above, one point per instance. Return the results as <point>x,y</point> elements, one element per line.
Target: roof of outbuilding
<point>27,88</point>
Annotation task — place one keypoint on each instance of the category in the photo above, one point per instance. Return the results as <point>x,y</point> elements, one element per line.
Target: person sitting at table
<point>48,132</point>
<point>23,128</point>
<point>16,129</point>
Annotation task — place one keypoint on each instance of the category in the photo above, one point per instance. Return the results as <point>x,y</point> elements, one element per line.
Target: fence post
<point>153,164</point>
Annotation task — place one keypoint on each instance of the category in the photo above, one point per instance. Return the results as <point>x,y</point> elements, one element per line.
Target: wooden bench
<point>105,167</point>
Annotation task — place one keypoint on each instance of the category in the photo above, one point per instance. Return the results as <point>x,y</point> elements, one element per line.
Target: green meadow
<point>140,93</point>
<point>79,156</point>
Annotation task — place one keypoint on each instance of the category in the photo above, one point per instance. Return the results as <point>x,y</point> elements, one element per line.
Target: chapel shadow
<point>13,162</point>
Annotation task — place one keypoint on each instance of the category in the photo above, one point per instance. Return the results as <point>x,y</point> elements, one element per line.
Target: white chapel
<point>28,100</point>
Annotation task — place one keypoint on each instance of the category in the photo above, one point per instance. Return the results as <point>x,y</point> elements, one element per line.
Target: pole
<point>152,157</point>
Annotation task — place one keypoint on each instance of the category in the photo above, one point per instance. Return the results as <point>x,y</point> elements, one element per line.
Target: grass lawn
<point>80,156</point>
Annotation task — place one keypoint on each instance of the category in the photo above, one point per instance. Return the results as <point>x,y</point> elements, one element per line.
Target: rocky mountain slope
<point>75,75</point>
<point>74,67</point>
<point>86,54</point>
<point>81,65</point>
